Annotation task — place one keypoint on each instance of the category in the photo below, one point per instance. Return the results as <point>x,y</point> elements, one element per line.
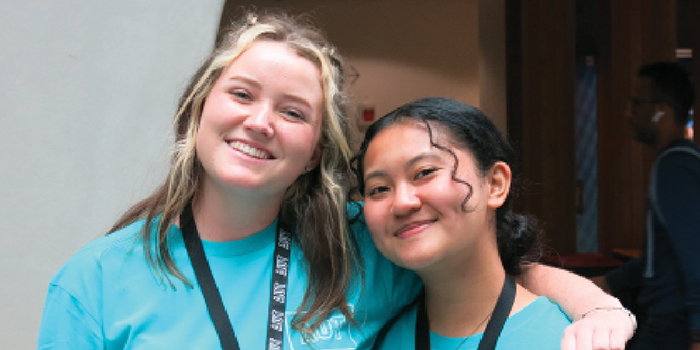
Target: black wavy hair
<point>518,236</point>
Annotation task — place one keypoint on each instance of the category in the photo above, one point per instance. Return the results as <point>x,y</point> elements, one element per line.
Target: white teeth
<point>253,152</point>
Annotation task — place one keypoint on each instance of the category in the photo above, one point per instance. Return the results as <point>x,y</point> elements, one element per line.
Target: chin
<point>646,137</point>
<point>239,180</point>
<point>415,262</point>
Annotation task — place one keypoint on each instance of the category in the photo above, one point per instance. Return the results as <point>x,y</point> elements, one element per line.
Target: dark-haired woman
<point>436,176</point>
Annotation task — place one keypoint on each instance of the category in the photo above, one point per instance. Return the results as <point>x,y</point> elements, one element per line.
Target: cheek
<point>376,224</point>
<point>300,151</point>
<point>448,193</point>
<point>303,138</point>
<point>209,111</point>
<point>207,130</point>
<point>374,217</point>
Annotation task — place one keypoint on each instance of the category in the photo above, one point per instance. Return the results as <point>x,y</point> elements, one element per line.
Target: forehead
<point>271,48</point>
<point>422,130</point>
<point>403,131</point>
<point>403,141</point>
<point>277,62</point>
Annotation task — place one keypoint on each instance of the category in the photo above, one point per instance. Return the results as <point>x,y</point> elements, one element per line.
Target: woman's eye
<point>241,94</point>
<point>294,114</point>
<point>377,190</point>
<point>425,172</point>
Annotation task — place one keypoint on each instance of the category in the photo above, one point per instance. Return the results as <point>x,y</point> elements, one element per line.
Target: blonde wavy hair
<point>314,208</point>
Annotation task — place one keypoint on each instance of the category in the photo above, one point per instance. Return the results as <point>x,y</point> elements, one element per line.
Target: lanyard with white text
<point>493,328</point>
<point>212,296</point>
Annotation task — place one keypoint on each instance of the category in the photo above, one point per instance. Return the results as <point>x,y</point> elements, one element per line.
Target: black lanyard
<point>212,296</point>
<point>493,328</point>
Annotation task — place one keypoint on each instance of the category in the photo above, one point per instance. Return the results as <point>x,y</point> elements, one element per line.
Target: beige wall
<point>492,60</point>
<point>407,49</point>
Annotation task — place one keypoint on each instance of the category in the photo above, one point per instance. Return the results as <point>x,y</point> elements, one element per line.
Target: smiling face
<point>415,208</point>
<point>261,122</point>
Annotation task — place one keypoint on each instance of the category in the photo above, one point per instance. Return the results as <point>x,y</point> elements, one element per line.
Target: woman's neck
<point>458,302</point>
<point>223,216</point>
<point>460,315</point>
<point>461,293</point>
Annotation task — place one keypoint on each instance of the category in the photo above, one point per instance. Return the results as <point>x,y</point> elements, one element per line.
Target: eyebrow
<point>409,164</point>
<point>244,79</point>
<point>298,99</point>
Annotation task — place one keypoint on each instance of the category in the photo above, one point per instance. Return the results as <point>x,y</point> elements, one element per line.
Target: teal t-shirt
<point>108,297</point>
<point>539,325</point>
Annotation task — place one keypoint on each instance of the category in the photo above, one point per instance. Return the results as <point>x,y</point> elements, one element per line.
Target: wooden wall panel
<point>541,112</point>
<point>541,61</point>
<point>631,33</point>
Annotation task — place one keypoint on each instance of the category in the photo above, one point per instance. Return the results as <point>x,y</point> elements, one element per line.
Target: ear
<point>499,180</point>
<point>315,158</point>
<point>663,111</point>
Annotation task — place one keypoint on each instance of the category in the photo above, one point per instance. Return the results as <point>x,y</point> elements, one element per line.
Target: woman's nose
<point>406,200</point>
<point>259,120</point>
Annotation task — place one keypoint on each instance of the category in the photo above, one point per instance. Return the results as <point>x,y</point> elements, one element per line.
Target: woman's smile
<point>249,150</point>
<point>414,228</point>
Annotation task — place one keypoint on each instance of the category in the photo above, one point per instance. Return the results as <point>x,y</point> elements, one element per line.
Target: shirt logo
<point>336,333</point>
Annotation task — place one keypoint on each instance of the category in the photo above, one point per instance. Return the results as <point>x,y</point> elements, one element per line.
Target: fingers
<point>578,336</point>
<point>601,340</point>
<point>568,342</point>
<point>584,336</point>
<point>597,333</point>
<point>618,339</point>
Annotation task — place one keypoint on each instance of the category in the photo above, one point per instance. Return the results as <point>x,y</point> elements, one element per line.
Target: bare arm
<point>573,293</point>
<point>577,295</point>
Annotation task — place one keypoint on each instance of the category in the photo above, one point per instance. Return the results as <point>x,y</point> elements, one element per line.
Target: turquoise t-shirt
<point>108,297</point>
<point>539,325</point>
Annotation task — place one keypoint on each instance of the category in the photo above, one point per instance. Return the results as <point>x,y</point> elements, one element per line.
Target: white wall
<point>89,90</point>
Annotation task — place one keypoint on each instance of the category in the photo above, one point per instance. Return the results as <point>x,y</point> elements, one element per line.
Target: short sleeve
<point>67,324</point>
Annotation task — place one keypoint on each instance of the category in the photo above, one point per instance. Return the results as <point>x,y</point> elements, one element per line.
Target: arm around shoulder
<point>576,295</point>
<point>573,293</point>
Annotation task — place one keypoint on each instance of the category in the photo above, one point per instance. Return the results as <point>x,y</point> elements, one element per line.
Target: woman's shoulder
<point>539,325</point>
<point>94,255</point>
<point>399,332</point>
<point>355,213</point>
<point>358,226</point>
<point>542,308</point>
<point>118,241</point>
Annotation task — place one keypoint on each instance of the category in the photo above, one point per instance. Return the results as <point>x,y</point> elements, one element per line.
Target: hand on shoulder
<point>600,329</point>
